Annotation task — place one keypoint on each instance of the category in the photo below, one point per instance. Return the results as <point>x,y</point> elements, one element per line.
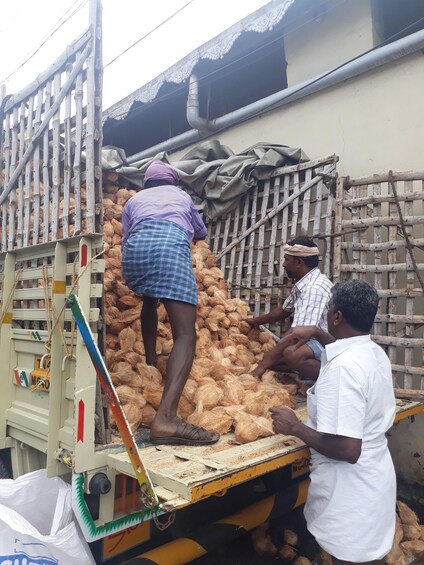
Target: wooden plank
<point>306,204</point>
<point>76,166</point>
<point>260,249</point>
<point>356,214</point>
<point>363,191</point>
<point>239,274</point>
<point>295,204</point>
<point>329,229</point>
<point>292,199</point>
<point>318,207</point>
<point>64,216</point>
<point>392,220</point>
<point>12,199</point>
<point>45,76</point>
<point>4,211</point>
<point>410,283</point>
<point>392,284</point>
<point>272,245</point>
<point>399,244</point>
<point>251,243</point>
<point>391,268</point>
<point>224,242</point>
<point>282,171</point>
<point>381,199</point>
<point>20,188</point>
<point>36,190</point>
<point>232,265</point>
<point>337,262</point>
<point>28,196</point>
<point>44,124</point>
<point>385,177</point>
<point>56,160</point>
<point>46,180</point>
<point>37,315</point>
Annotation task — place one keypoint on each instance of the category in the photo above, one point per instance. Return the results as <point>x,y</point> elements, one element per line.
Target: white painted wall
<point>373,122</point>
<point>331,33</point>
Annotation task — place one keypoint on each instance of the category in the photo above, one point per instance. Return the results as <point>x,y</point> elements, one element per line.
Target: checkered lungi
<point>156,261</point>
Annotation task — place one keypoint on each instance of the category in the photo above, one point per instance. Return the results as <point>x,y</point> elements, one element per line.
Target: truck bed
<point>185,474</point>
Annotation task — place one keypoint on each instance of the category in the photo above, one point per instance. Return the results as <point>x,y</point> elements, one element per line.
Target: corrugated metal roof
<point>260,21</point>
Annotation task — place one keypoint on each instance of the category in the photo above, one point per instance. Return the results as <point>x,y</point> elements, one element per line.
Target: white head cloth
<point>300,250</point>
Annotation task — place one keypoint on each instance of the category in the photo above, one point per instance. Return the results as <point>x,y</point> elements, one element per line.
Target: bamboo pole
<point>260,249</point>
<point>240,267</point>
<point>28,196</point>
<point>56,160</point>
<point>46,179</point>
<point>251,245</point>
<point>391,268</point>
<point>385,177</point>
<point>381,199</point>
<point>20,189</point>
<point>282,171</point>
<point>78,135</point>
<point>272,245</point>
<point>328,229</point>
<point>295,204</point>
<point>224,242</point>
<point>12,199</point>
<point>64,216</point>
<point>381,245</point>
<point>410,283</point>
<point>270,215</point>
<point>45,76</point>
<point>232,264</point>
<point>4,211</point>
<point>45,123</point>
<point>36,189</point>
<point>337,262</point>
<point>392,220</point>
<point>306,203</point>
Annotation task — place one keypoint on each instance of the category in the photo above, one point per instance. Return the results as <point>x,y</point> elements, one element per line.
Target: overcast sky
<point>25,24</point>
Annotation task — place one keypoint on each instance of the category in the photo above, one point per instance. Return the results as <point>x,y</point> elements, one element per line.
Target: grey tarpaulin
<point>212,174</point>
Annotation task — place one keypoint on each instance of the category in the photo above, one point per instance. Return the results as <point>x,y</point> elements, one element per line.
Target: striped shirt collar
<point>307,279</point>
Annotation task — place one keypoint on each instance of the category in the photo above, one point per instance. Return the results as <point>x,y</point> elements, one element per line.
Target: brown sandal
<point>187,434</point>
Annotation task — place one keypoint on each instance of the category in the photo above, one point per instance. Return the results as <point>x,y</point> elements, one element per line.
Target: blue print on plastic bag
<point>29,554</point>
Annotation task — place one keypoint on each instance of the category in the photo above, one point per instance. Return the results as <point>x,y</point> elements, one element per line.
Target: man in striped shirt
<point>307,303</point>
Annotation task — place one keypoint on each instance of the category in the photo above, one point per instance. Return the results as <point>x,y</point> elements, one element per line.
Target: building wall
<point>374,122</point>
<point>332,33</point>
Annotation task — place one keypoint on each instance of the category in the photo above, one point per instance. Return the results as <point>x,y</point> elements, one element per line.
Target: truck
<point>53,412</point>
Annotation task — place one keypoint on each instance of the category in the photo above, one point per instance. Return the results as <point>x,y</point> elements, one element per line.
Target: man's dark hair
<point>358,302</point>
<point>156,182</point>
<point>310,262</point>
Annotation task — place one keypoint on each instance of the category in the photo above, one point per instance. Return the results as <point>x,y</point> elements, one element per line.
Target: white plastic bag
<point>36,523</point>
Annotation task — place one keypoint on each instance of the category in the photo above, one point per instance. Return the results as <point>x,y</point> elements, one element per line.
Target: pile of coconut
<point>407,549</point>
<point>220,394</point>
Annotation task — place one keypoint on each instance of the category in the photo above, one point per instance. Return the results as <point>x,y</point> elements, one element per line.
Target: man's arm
<point>340,448</point>
<point>276,315</point>
<point>299,335</point>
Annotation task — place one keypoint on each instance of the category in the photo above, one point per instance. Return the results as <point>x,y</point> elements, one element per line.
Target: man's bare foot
<point>180,433</point>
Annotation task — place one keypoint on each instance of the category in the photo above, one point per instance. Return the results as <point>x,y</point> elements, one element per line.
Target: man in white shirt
<point>351,503</point>
<point>307,303</point>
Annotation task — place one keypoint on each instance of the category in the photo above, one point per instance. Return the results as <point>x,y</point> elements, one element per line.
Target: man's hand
<point>251,321</point>
<point>284,420</point>
<point>300,335</point>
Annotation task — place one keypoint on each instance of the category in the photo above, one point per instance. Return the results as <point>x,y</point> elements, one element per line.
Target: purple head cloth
<point>157,170</point>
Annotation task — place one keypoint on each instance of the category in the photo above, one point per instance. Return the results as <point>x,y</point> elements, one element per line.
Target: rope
<point>409,245</point>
